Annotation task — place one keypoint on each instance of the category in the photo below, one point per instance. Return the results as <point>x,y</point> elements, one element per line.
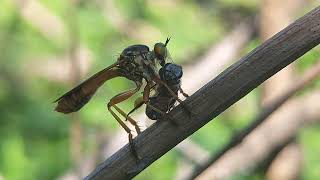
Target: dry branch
<point>216,96</point>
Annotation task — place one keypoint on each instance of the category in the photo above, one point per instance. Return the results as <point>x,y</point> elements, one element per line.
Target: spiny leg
<point>145,100</point>
<point>117,99</point>
<point>127,129</point>
<point>137,104</point>
<point>133,122</point>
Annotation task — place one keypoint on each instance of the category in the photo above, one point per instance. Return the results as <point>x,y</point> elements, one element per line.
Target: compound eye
<point>160,51</point>
<point>157,49</point>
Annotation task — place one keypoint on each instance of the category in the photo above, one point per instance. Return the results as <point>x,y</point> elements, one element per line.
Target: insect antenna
<point>167,41</point>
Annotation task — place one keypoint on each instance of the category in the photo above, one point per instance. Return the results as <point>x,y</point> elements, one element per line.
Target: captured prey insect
<point>162,99</point>
<point>171,74</point>
<point>136,63</point>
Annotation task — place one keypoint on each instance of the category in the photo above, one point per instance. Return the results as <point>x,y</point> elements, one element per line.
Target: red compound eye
<point>157,50</point>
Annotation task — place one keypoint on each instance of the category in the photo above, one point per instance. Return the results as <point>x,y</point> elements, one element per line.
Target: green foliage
<point>240,3</point>
<point>7,10</point>
<point>309,138</point>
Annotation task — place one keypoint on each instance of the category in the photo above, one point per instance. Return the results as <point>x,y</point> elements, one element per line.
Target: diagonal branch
<point>216,96</point>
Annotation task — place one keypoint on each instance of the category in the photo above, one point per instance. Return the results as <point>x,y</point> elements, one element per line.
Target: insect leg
<point>145,100</point>
<point>183,93</point>
<point>133,122</point>
<point>117,99</point>
<point>137,104</point>
<point>124,95</point>
<point>141,100</point>
<point>159,81</point>
<point>127,129</point>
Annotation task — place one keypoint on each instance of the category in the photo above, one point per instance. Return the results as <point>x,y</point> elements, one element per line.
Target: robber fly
<point>136,63</point>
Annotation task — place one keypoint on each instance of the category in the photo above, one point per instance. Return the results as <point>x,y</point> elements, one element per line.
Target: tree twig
<point>216,96</point>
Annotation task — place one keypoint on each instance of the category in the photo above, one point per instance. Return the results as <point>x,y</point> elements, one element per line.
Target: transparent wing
<point>168,58</point>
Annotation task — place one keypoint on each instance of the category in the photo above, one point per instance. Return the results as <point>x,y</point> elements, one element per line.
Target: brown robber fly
<point>136,63</point>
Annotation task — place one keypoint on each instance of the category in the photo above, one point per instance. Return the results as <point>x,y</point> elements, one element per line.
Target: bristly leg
<point>117,99</point>
<point>133,122</point>
<point>137,104</point>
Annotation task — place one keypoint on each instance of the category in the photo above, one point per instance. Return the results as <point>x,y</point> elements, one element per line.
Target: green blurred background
<point>46,47</point>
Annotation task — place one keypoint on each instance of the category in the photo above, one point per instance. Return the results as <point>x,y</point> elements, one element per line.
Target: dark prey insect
<point>171,74</point>
<point>162,99</point>
<point>135,63</point>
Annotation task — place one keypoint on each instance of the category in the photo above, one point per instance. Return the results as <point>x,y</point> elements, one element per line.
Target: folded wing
<point>77,97</point>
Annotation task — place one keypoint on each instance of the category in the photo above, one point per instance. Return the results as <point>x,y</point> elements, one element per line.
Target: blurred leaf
<point>309,138</point>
